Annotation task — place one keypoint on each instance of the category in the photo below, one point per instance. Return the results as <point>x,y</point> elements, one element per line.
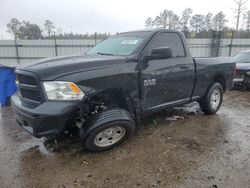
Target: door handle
<point>184,67</point>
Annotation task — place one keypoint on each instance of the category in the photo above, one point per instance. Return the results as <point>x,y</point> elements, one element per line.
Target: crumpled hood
<point>243,66</point>
<point>53,68</point>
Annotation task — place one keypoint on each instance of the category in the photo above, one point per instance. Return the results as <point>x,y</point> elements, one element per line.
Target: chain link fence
<point>14,52</point>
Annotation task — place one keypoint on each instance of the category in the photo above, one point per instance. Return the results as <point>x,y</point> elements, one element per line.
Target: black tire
<point>112,119</point>
<point>205,102</point>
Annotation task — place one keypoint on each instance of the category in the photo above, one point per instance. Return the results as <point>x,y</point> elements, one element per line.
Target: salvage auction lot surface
<point>198,151</point>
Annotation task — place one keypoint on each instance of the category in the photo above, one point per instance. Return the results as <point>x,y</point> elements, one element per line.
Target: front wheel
<point>109,129</point>
<point>211,102</point>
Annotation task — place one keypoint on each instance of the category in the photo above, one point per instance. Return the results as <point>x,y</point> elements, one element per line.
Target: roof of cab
<point>150,30</point>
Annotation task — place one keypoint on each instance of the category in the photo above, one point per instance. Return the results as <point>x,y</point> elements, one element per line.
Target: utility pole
<point>16,48</point>
<point>55,44</point>
<point>231,43</point>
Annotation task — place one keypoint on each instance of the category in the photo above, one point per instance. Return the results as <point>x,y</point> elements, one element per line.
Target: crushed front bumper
<point>49,118</point>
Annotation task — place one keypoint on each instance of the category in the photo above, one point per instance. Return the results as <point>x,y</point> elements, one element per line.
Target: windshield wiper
<point>100,53</point>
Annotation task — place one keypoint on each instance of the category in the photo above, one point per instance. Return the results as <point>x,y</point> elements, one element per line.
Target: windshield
<point>242,57</point>
<point>120,44</point>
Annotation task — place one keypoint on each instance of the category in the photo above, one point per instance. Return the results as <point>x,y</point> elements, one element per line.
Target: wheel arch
<point>116,98</point>
<point>221,79</point>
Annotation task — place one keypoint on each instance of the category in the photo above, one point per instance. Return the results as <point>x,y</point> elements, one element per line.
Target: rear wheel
<point>211,103</point>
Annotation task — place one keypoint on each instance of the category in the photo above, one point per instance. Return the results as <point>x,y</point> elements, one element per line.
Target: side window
<point>171,40</point>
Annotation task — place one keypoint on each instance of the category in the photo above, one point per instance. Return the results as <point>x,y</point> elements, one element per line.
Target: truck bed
<point>207,68</point>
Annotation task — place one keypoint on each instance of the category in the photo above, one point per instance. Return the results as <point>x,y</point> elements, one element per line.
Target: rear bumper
<point>49,118</point>
<point>244,82</point>
<point>238,80</point>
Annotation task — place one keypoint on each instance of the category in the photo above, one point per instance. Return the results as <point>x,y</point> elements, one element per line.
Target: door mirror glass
<point>160,53</point>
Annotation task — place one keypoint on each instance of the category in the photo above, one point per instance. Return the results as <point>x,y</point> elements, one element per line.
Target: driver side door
<point>170,81</point>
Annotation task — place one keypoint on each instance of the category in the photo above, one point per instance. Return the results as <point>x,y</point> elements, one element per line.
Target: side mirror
<point>160,53</point>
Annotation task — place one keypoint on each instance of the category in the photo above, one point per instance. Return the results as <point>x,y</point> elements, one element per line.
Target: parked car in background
<point>242,77</point>
<point>119,81</point>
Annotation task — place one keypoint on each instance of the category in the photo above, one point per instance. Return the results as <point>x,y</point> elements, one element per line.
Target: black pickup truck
<point>103,93</point>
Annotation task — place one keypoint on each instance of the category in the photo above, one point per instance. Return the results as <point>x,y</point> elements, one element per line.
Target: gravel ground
<point>176,148</point>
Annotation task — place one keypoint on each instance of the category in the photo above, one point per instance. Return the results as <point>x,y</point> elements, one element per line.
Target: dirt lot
<point>195,151</point>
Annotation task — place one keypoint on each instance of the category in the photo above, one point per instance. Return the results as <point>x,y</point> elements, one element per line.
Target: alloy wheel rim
<point>215,98</point>
<point>109,136</point>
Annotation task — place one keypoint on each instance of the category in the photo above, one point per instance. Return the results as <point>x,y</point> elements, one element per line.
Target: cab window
<point>171,40</point>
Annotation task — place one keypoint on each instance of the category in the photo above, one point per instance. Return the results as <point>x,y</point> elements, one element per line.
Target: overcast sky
<point>102,15</point>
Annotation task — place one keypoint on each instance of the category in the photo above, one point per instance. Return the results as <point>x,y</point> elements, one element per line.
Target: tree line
<point>197,22</point>
<point>28,30</point>
<point>188,22</point>
<point>193,25</point>
<point>202,23</point>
